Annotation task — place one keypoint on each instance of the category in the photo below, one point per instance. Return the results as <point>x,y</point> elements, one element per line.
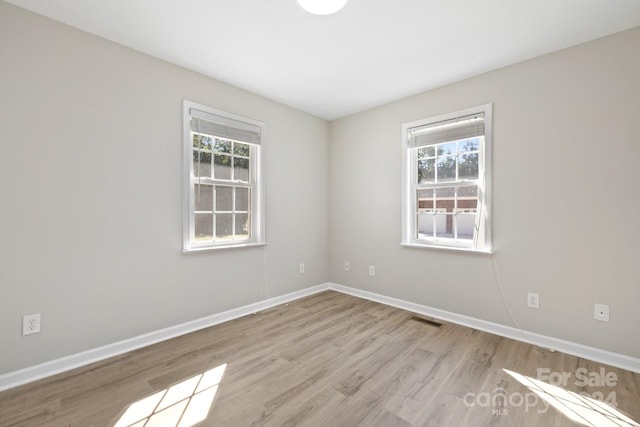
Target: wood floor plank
<point>329,359</point>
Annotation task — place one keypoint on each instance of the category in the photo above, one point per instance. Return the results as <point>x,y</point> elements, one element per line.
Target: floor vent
<point>426,321</point>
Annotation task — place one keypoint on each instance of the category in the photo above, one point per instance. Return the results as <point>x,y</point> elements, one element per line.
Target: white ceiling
<point>369,53</point>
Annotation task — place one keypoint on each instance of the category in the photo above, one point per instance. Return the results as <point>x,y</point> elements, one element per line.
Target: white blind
<point>223,127</point>
<point>448,130</point>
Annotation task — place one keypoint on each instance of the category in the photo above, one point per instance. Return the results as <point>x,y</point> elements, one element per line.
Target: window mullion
<point>232,163</point>
<point>455,212</point>
<point>447,184</point>
<point>455,159</point>
<point>206,181</point>
<point>435,165</point>
<point>256,231</point>
<point>215,208</point>
<point>412,193</point>
<point>233,213</point>
<point>434,214</point>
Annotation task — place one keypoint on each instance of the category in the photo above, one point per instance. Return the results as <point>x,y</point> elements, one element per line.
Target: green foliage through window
<point>439,162</point>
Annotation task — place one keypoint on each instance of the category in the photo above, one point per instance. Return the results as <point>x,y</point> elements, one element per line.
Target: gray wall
<point>565,200</point>
<point>79,113</point>
<point>90,185</point>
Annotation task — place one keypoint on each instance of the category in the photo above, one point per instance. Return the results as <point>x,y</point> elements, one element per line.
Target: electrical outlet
<point>601,312</point>
<point>347,266</point>
<point>372,270</point>
<point>533,300</point>
<point>301,268</point>
<point>30,324</point>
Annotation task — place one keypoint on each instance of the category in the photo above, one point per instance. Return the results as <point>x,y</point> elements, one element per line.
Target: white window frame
<point>255,184</point>
<point>481,242</point>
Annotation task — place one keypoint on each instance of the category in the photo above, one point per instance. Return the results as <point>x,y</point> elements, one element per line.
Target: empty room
<point>319,213</point>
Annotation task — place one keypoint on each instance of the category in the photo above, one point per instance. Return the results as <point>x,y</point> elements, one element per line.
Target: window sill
<point>221,247</point>
<point>448,248</point>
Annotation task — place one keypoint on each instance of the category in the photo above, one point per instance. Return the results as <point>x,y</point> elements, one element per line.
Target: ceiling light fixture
<point>322,7</point>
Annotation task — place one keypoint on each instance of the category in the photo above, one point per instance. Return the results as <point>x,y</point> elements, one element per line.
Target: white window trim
<point>408,177</point>
<point>258,212</point>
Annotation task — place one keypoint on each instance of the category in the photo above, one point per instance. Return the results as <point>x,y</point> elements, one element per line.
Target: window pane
<point>243,226</point>
<point>468,145</point>
<point>468,166</point>
<point>446,149</point>
<point>426,193</point>
<point>242,199</point>
<point>222,146</point>
<point>241,149</point>
<point>465,223</point>
<point>425,225</point>
<point>426,170</point>
<point>201,164</point>
<point>444,225</point>
<point>468,197</point>
<point>203,226</point>
<point>425,199</point>
<point>202,142</point>
<point>224,226</point>
<point>224,201</point>
<point>241,169</point>
<point>446,168</point>
<point>203,197</point>
<point>425,152</point>
<point>445,199</point>
<point>466,211</point>
<point>222,166</point>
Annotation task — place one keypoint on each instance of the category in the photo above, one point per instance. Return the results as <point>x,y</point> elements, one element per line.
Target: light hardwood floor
<point>328,360</point>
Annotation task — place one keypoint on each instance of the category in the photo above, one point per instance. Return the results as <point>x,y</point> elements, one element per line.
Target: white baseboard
<point>33,373</point>
<point>591,353</point>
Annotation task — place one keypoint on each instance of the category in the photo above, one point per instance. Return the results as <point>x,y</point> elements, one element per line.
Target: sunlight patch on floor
<point>577,407</point>
<point>182,405</point>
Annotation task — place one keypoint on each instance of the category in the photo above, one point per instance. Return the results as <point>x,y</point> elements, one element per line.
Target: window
<point>447,181</point>
<point>223,179</point>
